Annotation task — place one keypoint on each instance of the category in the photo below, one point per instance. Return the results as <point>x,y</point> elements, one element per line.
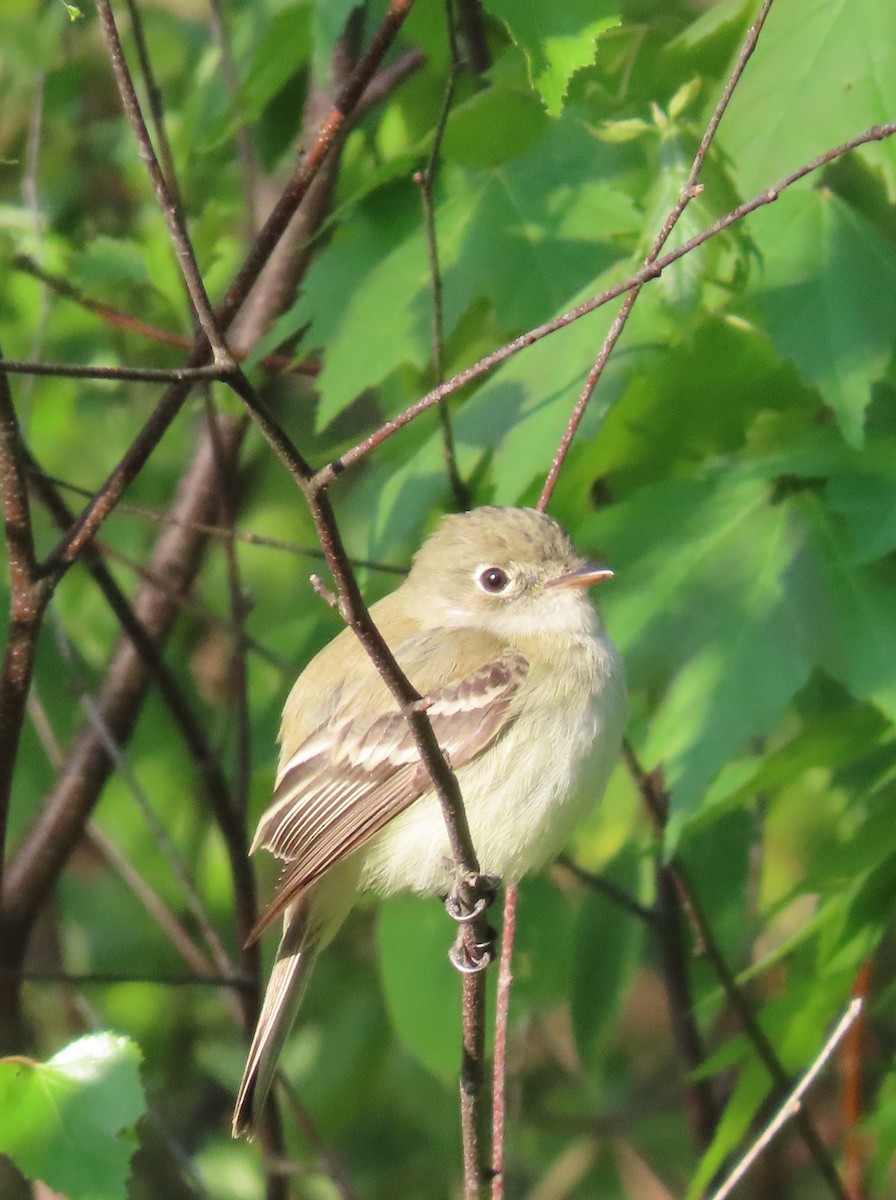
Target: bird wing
<point>358,771</point>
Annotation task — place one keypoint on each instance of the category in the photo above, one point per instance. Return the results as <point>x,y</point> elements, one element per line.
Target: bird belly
<point>521,802</point>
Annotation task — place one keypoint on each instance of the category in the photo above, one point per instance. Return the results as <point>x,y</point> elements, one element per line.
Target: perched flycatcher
<point>527,700</point>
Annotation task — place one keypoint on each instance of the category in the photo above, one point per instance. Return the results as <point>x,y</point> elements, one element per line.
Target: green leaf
<point>847,611</point>
<point>421,987</point>
<point>282,50</point>
<point>699,610</point>
<point>866,502</point>
<point>557,39</point>
<point>607,938</point>
<point>69,1122</point>
<point>829,289</point>
<point>821,74</point>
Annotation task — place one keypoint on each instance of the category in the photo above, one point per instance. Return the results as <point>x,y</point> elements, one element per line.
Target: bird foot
<point>471,896</point>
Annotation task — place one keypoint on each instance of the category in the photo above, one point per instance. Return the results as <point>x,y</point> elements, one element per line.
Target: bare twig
<point>793,1105</point>
<point>611,890</point>
<point>334,1170</point>
<point>426,180</point>
<point>473,935</point>
<point>173,375</point>
<point>27,603</point>
<point>166,192</point>
<point>327,474</point>
<point>852,1061</point>
<point>157,517</point>
<point>154,905</point>
<point>656,802</point>
<point>689,191</point>
<point>248,165</point>
<point>170,403</point>
<point>502,1021</point>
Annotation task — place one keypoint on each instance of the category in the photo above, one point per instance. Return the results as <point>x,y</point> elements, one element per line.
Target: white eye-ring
<point>493,580</point>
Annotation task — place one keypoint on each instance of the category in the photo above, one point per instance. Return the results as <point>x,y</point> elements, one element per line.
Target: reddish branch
<point>689,191</point>
<point>332,470</point>
<point>29,594</point>
<point>177,556</point>
<point>170,404</point>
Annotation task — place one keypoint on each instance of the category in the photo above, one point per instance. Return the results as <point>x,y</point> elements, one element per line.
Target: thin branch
<point>502,1022</point>
<point>154,906</point>
<point>474,934</point>
<point>174,375</point>
<point>612,891</point>
<point>28,599</point>
<point>111,978</point>
<point>166,192</point>
<point>332,125</point>
<point>327,474</point>
<point>689,191</point>
<point>48,843</point>
<point>852,1060</point>
<point>333,1170</point>
<point>157,517</point>
<point>656,802</point>
<point>170,404</point>
<point>426,180</point>
<point>280,363</point>
<point>473,1111</point>
<point>154,100</point>
<point>793,1105</point>
<point>702,1107</point>
<point>248,165</point>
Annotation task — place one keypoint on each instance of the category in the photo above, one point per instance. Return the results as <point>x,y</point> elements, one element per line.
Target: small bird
<point>526,696</point>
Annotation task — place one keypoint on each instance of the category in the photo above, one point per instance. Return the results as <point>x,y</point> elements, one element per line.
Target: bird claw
<point>483,887</point>
<point>471,959</point>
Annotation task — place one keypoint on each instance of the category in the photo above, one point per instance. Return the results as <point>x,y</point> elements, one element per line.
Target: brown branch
<point>426,180</point>
<point>327,474</point>
<point>165,190</point>
<point>852,1062</point>
<point>656,802</point>
<point>170,403</point>
<point>28,599</point>
<point>689,191</point>
<point>172,375</point>
<point>327,135</point>
<point>607,888</point>
<point>278,363</point>
<point>177,555</point>
<point>502,1022</point>
<point>474,934</point>
<point>248,165</point>
<point>153,904</point>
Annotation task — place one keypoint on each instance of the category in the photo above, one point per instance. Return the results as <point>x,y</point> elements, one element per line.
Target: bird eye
<point>493,580</point>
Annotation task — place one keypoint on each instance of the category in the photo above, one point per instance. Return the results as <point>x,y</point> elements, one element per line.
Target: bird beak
<point>586,575</point>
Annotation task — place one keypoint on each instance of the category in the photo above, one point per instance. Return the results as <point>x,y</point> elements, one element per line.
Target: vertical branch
<point>154,100</point>
<point>656,802</point>
<point>689,191</point>
<point>28,598</point>
<point>851,1061</point>
<point>425,180</point>
<point>165,193</point>
<point>502,1019</point>
<point>29,594</point>
<point>473,1112</point>
<point>241,135</point>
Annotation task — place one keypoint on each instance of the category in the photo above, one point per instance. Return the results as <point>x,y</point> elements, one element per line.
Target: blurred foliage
<point>736,467</point>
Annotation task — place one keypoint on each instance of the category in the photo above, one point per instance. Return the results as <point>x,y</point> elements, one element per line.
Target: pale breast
<point>526,793</point>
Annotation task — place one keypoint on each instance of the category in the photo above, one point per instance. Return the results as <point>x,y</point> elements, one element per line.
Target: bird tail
<point>296,955</point>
